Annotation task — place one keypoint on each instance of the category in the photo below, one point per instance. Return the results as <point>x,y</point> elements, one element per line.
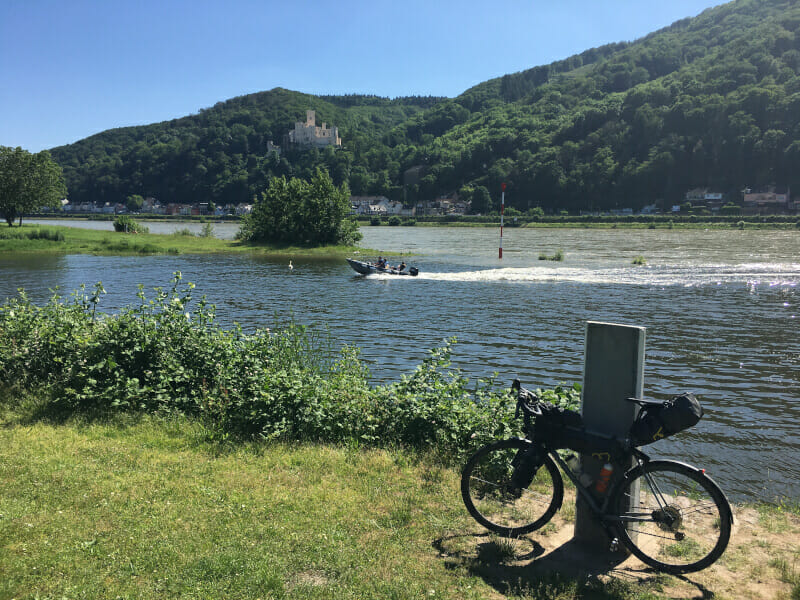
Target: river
<point>721,310</point>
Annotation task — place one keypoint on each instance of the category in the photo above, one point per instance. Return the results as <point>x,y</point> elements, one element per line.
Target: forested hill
<point>221,153</point>
<point>712,101</point>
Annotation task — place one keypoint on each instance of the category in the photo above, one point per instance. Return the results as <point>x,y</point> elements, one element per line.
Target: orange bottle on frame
<point>604,478</point>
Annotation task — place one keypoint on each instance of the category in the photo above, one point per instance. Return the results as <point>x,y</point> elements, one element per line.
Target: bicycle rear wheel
<point>679,520</point>
<point>494,502</point>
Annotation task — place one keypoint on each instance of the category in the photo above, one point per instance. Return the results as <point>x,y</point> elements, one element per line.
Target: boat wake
<point>754,274</point>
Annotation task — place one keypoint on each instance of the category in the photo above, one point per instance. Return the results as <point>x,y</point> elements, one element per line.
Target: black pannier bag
<point>657,421</point>
<point>549,427</point>
<point>559,428</point>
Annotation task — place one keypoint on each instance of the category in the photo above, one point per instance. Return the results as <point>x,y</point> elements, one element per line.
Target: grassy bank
<point>73,240</point>
<point>144,507</point>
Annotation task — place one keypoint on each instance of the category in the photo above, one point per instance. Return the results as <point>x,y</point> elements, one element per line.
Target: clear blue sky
<point>73,68</point>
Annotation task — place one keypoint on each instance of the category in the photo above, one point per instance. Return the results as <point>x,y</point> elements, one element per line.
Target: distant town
<point>698,201</point>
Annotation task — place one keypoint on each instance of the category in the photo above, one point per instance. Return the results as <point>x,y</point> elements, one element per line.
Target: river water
<point>721,310</point>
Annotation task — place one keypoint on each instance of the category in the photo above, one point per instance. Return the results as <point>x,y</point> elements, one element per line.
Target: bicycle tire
<point>686,523</point>
<point>494,503</point>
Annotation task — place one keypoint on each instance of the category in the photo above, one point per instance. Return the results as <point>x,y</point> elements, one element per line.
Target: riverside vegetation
<point>151,452</point>
<point>167,354</point>
<point>72,240</point>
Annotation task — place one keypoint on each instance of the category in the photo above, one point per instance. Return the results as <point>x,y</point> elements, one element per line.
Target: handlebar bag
<point>657,421</point>
<point>559,428</point>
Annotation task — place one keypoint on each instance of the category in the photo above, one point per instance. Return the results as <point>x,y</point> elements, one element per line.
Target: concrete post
<point>613,371</point>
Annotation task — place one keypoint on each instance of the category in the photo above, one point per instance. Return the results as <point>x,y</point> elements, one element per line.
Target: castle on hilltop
<point>309,134</point>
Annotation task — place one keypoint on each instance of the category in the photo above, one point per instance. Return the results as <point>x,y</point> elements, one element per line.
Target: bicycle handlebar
<point>527,401</point>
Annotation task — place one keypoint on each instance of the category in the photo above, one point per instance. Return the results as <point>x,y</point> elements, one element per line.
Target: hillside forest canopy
<point>711,102</point>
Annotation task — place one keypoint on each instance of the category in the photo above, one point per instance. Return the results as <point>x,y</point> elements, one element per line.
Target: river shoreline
<point>661,221</point>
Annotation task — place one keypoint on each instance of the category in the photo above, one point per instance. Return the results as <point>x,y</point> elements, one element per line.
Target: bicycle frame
<point>601,510</point>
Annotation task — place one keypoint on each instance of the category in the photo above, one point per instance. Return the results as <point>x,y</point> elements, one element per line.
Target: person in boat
<point>381,263</point>
<point>401,266</point>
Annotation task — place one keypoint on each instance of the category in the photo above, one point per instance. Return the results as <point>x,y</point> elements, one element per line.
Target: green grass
<point>558,256</point>
<point>73,240</point>
<point>144,507</point>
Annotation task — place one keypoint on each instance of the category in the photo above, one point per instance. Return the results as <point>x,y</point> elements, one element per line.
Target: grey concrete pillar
<point>613,371</point>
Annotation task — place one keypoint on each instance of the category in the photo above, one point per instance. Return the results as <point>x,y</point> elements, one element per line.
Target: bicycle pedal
<point>614,545</point>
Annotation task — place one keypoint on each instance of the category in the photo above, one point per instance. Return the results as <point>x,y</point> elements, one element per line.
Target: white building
<point>308,134</point>
<point>375,205</point>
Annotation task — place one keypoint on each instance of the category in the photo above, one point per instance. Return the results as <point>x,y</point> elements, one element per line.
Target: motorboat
<point>368,268</point>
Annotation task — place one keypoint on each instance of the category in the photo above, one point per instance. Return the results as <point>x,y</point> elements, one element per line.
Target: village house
<point>309,134</point>
<point>375,205</point>
<point>443,205</point>
<point>702,197</point>
<point>766,202</point>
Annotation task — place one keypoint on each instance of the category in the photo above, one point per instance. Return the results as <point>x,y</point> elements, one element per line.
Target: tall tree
<point>28,182</point>
<point>311,213</point>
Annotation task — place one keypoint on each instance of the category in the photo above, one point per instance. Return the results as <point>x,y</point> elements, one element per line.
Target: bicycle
<point>680,521</point>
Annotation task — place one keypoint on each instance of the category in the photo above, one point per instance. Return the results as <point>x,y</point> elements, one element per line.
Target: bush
<point>558,256</point>
<point>375,221</point>
<point>168,355</point>
<point>126,224</point>
<point>394,220</point>
<point>50,235</point>
<point>207,230</point>
<point>410,222</point>
<point>307,213</point>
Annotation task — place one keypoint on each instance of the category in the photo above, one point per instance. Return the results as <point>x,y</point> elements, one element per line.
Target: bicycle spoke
<point>492,499</point>
<point>681,522</point>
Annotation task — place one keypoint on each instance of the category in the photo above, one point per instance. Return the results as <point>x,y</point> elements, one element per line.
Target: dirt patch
<point>762,561</point>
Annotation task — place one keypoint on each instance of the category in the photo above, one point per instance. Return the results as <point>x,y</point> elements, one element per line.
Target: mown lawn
<point>148,507</point>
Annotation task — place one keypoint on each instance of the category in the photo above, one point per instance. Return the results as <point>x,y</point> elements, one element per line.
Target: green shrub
<point>410,222</point>
<point>51,235</point>
<point>375,221</point>
<point>394,220</point>
<point>558,256</point>
<point>168,355</point>
<point>639,260</point>
<point>126,224</point>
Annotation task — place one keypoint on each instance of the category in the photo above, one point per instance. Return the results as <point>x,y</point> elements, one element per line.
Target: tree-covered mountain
<point>221,153</point>
<point>712,101</point>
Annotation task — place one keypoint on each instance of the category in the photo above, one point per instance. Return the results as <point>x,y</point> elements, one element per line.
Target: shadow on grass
<point>522,566</point>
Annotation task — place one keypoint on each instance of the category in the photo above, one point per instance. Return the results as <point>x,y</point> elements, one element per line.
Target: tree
<point>134,203</point>
<point>28,182</point>
<point>481,201</point>
<point>313,213</point>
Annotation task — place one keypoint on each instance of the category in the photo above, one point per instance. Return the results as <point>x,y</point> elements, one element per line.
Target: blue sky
<point>73,68</point>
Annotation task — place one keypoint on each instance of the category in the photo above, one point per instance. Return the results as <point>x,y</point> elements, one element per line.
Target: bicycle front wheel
<point>494,502</point>
<point>678,520</point>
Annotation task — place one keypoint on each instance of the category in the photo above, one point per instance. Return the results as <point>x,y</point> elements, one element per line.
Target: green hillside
<point>712,101</point>
<point>221,153</point>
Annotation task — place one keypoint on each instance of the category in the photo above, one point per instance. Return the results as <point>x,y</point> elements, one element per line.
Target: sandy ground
<point>762,560</point>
